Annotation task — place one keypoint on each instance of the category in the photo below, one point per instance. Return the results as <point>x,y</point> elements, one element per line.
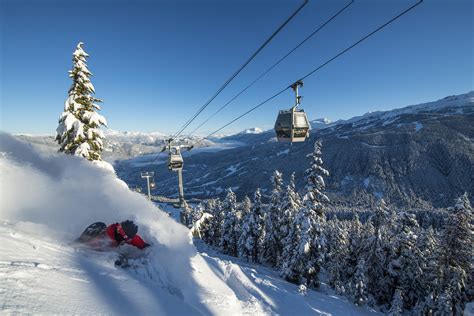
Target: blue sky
<point>156,62</point>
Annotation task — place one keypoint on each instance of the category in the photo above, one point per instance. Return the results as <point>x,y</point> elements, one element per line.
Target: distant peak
<point>253,130</point>
<point>320,123</point>
<point>322,120</point>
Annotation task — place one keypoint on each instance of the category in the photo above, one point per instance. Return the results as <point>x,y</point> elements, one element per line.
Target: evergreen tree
<point>354,248</point>
<point>429,264</point>
<point>245,208</point>
<point>271,244</point>
<point>291,203</point>
<point>337,256</point>
<point>375,253</point>
<point>302,259</point>
<point>252,234</point>
<point>359,290</point>
<point>396,308</point>
<point>207,226</point>
<point>216,223</point>
<point>197,212</point>
<point>230,225</point>
<point>315,198</point>
<point>456,255</point>
<point>304,245</point>
<point>380,219</point>
<point>404,266</point>
<point>444,305</point>
<point>79,131</point>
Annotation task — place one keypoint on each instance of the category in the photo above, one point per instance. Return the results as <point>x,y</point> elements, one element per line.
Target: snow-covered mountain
<point>46,202</point>
<point>254,130</point>
<point>419,155</point>
<point>320,123</point>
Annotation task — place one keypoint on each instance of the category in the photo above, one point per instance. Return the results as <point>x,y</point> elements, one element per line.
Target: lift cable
<point>273,66</point>
<point>312,71</point>
<point>239,70</point>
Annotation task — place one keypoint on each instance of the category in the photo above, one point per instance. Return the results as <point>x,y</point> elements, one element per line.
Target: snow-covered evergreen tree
<point>301,261</point>
<point>375,253</point>
<point>291,203</point>
<point>79,131</point>
<point>359,289</point>
<point>396,308</point>
<point>354,249</point>
<point>314,197</point>
<point>405,266</point>
<point>337,256</point>
<point>381,219</point>
<point>456,256</point>
<point>253,233</point>
<point>304,245</point>
<point>206,229</point>
<point>271,244</point>
<point>197,212</point>
<point>444,305</point>
<point>216,223</point>
<point>245,207</point>
<point>230,226</point>
<point>428,244</point>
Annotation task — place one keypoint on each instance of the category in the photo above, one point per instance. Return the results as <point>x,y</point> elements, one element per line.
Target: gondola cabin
<point>292,126</point>
<point>175,160</point>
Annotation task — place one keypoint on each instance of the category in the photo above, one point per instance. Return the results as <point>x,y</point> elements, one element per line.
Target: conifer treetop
<point>79,132</point>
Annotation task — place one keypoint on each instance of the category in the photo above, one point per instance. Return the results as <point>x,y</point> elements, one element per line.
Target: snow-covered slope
<point>46,202</point>
<point>448,105</point>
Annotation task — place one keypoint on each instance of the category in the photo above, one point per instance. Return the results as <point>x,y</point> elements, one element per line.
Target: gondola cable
<point>239,70</point>
<point>272,67</point>
<point>311,72</point>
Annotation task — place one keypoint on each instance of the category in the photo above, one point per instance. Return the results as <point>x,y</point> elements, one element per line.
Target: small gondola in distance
<point>175,160</point>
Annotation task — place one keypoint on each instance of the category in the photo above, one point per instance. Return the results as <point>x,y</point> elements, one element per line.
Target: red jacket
<point>111,232</point>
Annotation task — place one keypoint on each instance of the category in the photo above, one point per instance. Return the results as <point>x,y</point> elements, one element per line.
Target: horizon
<point>157,66</point>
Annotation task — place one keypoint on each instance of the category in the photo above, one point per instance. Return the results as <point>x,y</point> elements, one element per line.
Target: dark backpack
<point>92,231</point>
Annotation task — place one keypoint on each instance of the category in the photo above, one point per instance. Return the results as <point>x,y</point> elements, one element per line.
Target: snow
<point>276,296</point>
<point>232,169</point>
<point>94,118</point>
<point>418,126</point>
<point>320,123</point>
<point>254,130</point>
<point>47,201</point>
<point>283,152</point>
<point>469,310</point>
<point>366,182</point>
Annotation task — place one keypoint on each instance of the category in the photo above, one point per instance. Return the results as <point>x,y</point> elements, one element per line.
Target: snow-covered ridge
<point>450,102</point>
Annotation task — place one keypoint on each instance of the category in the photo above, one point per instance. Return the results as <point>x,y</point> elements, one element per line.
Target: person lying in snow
<point>98,235</point>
